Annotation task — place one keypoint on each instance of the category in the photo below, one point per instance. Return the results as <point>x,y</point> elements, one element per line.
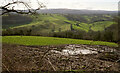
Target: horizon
<point>108,5</point>
<point>77,9</point>
<point>73,9</point>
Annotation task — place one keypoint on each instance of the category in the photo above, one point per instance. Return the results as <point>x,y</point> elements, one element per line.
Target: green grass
<point>99,26</point>
<point>82,26</point>
<point>45,23</point>
<point>96,26</point>
<point>37,40</point>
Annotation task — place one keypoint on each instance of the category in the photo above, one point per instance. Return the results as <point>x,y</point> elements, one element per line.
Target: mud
<point>60,58</point>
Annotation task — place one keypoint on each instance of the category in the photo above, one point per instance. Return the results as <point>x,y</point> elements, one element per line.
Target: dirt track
<point>33,58</point>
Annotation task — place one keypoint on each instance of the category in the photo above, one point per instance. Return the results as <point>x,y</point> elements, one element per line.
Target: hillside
<point>47,23</point>
<point>41,23</point>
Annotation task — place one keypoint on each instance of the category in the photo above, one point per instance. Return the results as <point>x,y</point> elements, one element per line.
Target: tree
<point>59,29</point>
<point>29,32</point>
<point>21,32</point>
<point>117,20</point>
<point>11,5</point>
<point>53,29</point>
<point>71,27</point>
<point>98,36</point>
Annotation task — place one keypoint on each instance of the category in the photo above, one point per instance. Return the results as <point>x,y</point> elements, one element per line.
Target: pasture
<point>40,41</point>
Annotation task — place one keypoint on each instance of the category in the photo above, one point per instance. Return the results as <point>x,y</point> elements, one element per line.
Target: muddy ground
<point>44,58</point>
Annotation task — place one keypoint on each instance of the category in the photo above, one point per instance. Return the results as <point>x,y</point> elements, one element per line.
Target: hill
<point>75,11</point>
<point>47,23</point>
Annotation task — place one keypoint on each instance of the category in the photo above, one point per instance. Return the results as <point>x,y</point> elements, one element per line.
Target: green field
<point>37,40</point>
<point>96,26</point>
<point>45,23</point>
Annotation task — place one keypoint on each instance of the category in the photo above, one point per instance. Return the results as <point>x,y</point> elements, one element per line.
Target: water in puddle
<point>74,52</point>
<point>77,51</point>
<point>81,49</point>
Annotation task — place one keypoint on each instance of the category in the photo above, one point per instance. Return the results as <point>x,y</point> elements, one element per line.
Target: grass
<point>96,26</point>
<point>82,26</point>
<point>38,40</point>
<point>45,23</point>
<point>99,26</point>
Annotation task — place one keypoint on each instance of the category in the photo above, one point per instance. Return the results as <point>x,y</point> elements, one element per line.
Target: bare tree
<point>27,7</point>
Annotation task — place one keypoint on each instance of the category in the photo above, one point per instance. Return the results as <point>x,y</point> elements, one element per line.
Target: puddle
<point>74,52</point>
<point>79,49</point>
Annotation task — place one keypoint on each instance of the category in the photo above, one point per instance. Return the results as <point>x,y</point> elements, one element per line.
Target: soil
<point>41,58</point>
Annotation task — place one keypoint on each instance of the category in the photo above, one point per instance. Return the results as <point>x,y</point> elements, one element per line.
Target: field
<point>37,40</point>
<point>45,23</point>
<point>96,26</point>
<point>31,43</point>
<point>37,58</point>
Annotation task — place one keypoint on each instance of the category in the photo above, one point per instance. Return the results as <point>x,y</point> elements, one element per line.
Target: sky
<point>110,5</point>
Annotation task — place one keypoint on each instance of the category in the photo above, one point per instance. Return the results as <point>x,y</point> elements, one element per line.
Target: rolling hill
<point>46,22</point>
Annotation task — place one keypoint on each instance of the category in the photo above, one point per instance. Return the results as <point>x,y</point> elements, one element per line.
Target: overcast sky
<point>74,4</point>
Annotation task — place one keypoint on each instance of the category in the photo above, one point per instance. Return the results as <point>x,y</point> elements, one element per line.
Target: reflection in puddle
<point>77,51</point>
<point>81,49</point>
<point>74,52</point>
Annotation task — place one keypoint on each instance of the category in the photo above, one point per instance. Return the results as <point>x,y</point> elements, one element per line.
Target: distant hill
<point>46,23</point>
<point>73,11</point>
<point>42,23</point>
